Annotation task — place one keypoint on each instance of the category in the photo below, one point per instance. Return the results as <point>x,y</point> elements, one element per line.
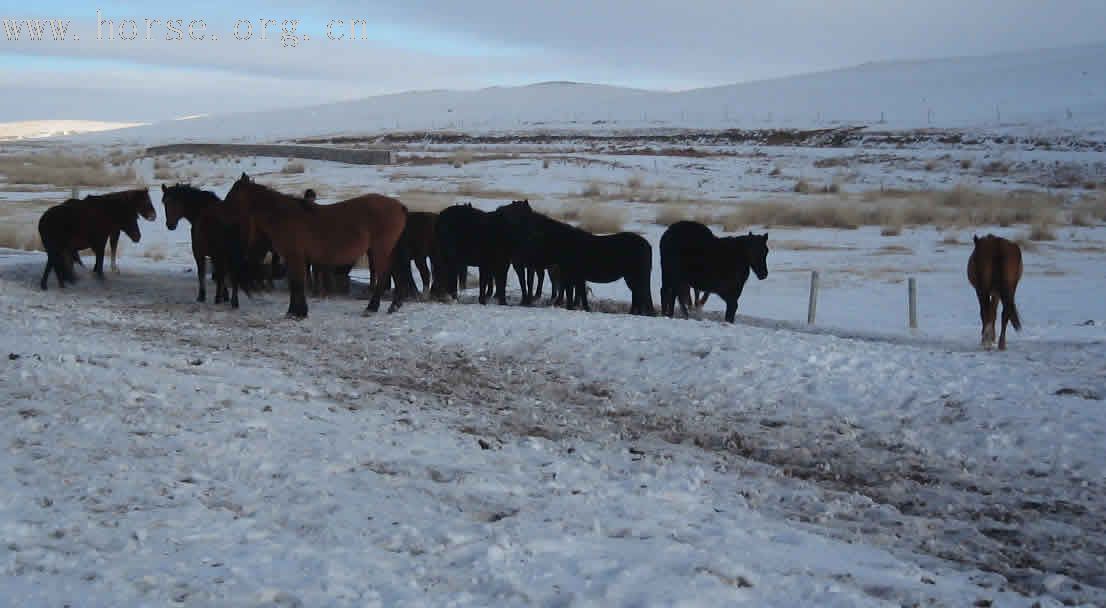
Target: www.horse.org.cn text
<point>109,28</point>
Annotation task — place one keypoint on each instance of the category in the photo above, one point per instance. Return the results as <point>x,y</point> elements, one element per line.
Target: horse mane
<point>304,204</point>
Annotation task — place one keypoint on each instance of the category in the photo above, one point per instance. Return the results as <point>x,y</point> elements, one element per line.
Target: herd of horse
<point>258,234</point>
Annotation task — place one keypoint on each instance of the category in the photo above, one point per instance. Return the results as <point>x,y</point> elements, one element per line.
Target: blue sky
<point>475,43</point>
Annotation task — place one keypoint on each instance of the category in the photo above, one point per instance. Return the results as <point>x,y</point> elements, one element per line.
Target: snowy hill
<point>1059,88</point>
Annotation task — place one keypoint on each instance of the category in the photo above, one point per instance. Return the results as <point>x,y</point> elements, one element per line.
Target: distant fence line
<point>337,155</point>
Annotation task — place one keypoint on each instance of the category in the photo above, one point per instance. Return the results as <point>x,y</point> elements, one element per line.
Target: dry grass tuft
<point>670,214</point>
<point>460,158</point>
<point>602,219</point>
<point>155,252</point>
<point>803,187</point>
<point>545,163</point>
<point>833,161</point>
<point>592,189</point>
<point>20,235</point>
<point>63,170</point>
<point>164,174</point>
<point>293,167</point>
<point>635,182</point>
<point>1041,230</point>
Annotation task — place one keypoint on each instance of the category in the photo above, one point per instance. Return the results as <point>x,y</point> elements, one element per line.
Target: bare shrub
<point>602,219</point>
<point>545,163</point>
<point>803,187</point>
<point>460,158</point>
<point>293,167</point>
<point>833,161</point>
<point>20,235</point>
<point>1041,230</point>
<point>670,214</point>
<point>63,170</point>
<point>161,163</point>
<point>996,167</point>
<point>784,214</point>
<point>891,230</point>
<point>155,252</point>
<point>164,174</point>
<point>592,190</point>
<point>932,165</point>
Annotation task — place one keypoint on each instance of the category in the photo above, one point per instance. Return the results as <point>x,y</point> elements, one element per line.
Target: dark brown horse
<point>88,223</point>
<point>214,235</point>
<point>994,269</point>
<point>332,235</point>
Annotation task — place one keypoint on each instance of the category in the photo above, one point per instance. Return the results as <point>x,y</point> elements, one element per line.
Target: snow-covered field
<point>160,451</point>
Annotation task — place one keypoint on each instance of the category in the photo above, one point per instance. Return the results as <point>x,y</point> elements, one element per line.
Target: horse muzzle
<point>171,224</point>
<point>150,215</point>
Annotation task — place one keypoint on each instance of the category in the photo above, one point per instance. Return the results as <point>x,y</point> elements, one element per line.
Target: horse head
<point>756,249</point>
<point>144,206</point>
<point>240,201</point>
<point>130,228</point>
<point>174,210</point>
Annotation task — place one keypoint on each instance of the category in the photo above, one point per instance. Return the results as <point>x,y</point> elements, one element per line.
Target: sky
<point>406,45</point>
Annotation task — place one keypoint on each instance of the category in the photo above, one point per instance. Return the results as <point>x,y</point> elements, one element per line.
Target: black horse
<point>692,257</point>
<point>215,236</point>
<point>580,256</point>
<point>467,236</point>
<point>89,223</point>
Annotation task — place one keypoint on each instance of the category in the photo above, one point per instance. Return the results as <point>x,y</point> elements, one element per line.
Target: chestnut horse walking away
<point>89,223</point>
<point>994,270</point>
<point>330,235</point>
<point>214,235</point>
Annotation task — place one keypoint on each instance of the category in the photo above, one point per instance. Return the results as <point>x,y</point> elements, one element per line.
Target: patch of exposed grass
<point>293,167</point>
<point>602,219</point>
<point>63,170</point>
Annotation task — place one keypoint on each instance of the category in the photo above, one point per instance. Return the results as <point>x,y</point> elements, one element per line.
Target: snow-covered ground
<point>158,451</point>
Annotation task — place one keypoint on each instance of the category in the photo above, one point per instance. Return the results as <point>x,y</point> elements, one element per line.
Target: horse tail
<point>237,261</point>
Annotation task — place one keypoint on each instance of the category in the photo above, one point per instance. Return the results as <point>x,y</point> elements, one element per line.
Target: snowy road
<point>157,450</point>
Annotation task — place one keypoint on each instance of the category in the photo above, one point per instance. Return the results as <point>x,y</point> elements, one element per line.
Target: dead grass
<point>593,189</point>
<point>63,170</point>
<point>154,251</point>
<point>164,174</point>
<point>1041,231</point>
<point>293,167</point>
<point>20,235</point>
<point>670,214</point>
<point>834,161</point>
<point>893,211</point>
<point>602,219</point>
<point>460,158</point>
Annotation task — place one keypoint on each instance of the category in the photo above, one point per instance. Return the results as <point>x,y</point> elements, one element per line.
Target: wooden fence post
<point>812,305</point>
<point>912,294</point>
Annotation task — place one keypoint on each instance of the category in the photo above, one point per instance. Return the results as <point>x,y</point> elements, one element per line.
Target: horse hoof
<point>367,312</point>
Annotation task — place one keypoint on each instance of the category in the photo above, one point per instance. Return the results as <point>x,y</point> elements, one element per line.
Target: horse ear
<point>975,238</point>
<point>163,188</point>
<point>244,177</point>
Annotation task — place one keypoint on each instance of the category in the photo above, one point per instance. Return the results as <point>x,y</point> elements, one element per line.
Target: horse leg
<point>501,284</point>
<point>424,272</point>
<point>482,279</point>
<point>201,274</point>
<point>987,317</point>
<point>731,308</point>
<point>46,273</point>
<point>114,250</point>
<point>525,277</point>
<point>297,299</point>
<point>1006,313</point>
<point>381,263</point>
<point>683,292</point>
<point>98,249</point>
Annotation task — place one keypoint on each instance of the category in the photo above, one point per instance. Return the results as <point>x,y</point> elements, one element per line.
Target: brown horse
<point>994,270</point>
<point>89,223</point>
<point>331,235</point>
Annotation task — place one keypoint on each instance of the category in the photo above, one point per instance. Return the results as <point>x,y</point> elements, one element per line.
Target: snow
<point>158,450</point>
<point>33,129</point>
<point>1045,91</point>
